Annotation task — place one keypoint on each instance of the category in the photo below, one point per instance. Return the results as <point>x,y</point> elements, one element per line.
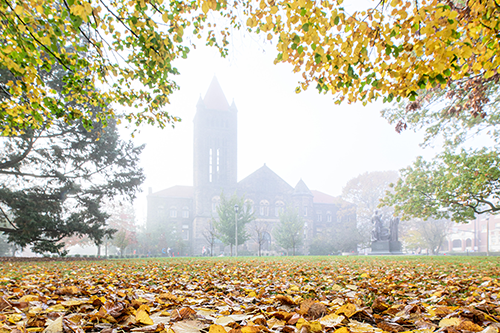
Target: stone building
<point>184,212</point>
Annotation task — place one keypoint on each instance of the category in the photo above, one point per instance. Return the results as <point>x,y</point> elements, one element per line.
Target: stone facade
<point>187,210</point>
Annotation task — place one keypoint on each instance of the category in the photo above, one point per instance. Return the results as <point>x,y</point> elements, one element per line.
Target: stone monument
<point>385,239</point>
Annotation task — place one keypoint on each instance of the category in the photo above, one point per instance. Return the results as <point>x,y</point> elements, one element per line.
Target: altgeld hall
<point>187,210</point>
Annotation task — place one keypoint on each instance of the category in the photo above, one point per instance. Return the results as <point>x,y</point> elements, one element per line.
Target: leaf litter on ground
<point>252,295</point>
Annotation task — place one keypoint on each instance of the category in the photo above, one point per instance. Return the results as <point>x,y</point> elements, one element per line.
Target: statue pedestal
<point>386,248</point>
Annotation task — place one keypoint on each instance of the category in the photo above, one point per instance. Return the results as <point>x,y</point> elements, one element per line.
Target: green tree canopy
<point>289,233</point>
<point>123,52</point>
<point>453,186</point>
<point>225,225</point>
<point>55,181</point>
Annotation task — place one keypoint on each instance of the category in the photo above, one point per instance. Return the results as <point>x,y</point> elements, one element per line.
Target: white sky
<point>297,135</point>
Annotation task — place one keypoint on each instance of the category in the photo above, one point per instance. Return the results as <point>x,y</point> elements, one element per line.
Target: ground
<point>219,295</point>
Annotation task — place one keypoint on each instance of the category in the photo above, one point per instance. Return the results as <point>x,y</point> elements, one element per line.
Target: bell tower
<point>215,151</point>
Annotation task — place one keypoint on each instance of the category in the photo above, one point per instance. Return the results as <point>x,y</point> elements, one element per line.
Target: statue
<point>385,235</point>
<point>377,226</point>
<point>394,229</point>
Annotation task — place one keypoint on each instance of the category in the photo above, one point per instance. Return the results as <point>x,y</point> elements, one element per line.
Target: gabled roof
<point>301,189</point>
<point>264,180</point>
<point>320,197</point>
<point>177,191</point>
<point>215,98</point>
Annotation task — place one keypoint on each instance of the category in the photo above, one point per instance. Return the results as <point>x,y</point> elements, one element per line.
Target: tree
<point>394,49</point>
<point>289,231</point>
<point>122,219</point>
<point>210,234</point>
<point>455,186</point>
<point>259,233</point>
<point>426,234</point>
<point>366,191</point>
<point>55,180</point>
<point>225,224</point>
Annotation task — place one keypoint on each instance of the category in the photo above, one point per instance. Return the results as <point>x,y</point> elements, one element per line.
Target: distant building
<point>476,236</point>
<point>187,210</point>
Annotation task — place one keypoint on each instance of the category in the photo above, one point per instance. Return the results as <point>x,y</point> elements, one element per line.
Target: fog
<point>299,136</point>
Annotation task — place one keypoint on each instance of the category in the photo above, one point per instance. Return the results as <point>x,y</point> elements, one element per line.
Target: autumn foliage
<point>352,295</point>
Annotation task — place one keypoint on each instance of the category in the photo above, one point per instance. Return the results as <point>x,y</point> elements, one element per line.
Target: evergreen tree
<point>289,232</point>
<point>55,179</point>
<point>225,224</point>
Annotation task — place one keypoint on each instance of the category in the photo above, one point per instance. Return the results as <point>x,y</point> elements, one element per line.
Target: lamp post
<point>488,235</point>
<point>236,207</point>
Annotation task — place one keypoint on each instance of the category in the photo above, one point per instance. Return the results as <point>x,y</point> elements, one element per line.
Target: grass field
<point>218,295</point>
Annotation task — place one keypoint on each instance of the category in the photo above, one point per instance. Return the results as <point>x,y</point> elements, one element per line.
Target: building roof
<point>177,191</point>
<point>264,180</point>
<point>320,197</point>
<point>215,98</point>
<point>301,189</point>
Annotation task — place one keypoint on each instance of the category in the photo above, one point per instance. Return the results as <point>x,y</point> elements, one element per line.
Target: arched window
<point>328,216</point>
<point>173,211</point>
<point>266,245</point>
<point>249,205</point>
<point>457,243</point>
<point>468,242</point>
<point>279,208</point>
<point>185,212</point>
<point>264,208</point>
<point>215,203</point>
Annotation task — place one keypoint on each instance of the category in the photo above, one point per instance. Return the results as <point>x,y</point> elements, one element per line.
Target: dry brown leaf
<point>467,325</point>
<point>285,300</point>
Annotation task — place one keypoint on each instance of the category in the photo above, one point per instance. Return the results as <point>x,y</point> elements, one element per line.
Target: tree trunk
<point>98,251</point>
<point>231,250</point>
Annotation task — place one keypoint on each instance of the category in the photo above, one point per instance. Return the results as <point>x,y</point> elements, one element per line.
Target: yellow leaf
<point>142,317</point>
<point>342,330</point>
<point>19,10</point>
<point>331,320</point>
<point>348,309</point>
<point>449,322</point>
<point>315,326</point>
<point>204,7</point>
<point>216,329</point>
<point>14,318</point>
<point>165,17</point>
<point>269,36</point>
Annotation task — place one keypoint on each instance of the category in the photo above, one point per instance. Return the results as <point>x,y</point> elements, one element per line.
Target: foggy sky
<point>299,136</point>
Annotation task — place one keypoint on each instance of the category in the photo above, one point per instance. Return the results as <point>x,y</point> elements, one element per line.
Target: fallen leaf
<point>449,322</point>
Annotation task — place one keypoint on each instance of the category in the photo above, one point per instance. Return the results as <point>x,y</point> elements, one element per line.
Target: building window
<point>215,204</point>
<point>185,212</point>
<point>249,206</point>
<point>173,212</point>
<point>328,217</point>
<point>319,216</point>
<point>264,208</point>
<point>218,159</point>
<point>210,166</point>
<point>279,208</point>
<point>457,243</point>
<point>185,232</point>
<point>305,211</point>
<point>468,242</point>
